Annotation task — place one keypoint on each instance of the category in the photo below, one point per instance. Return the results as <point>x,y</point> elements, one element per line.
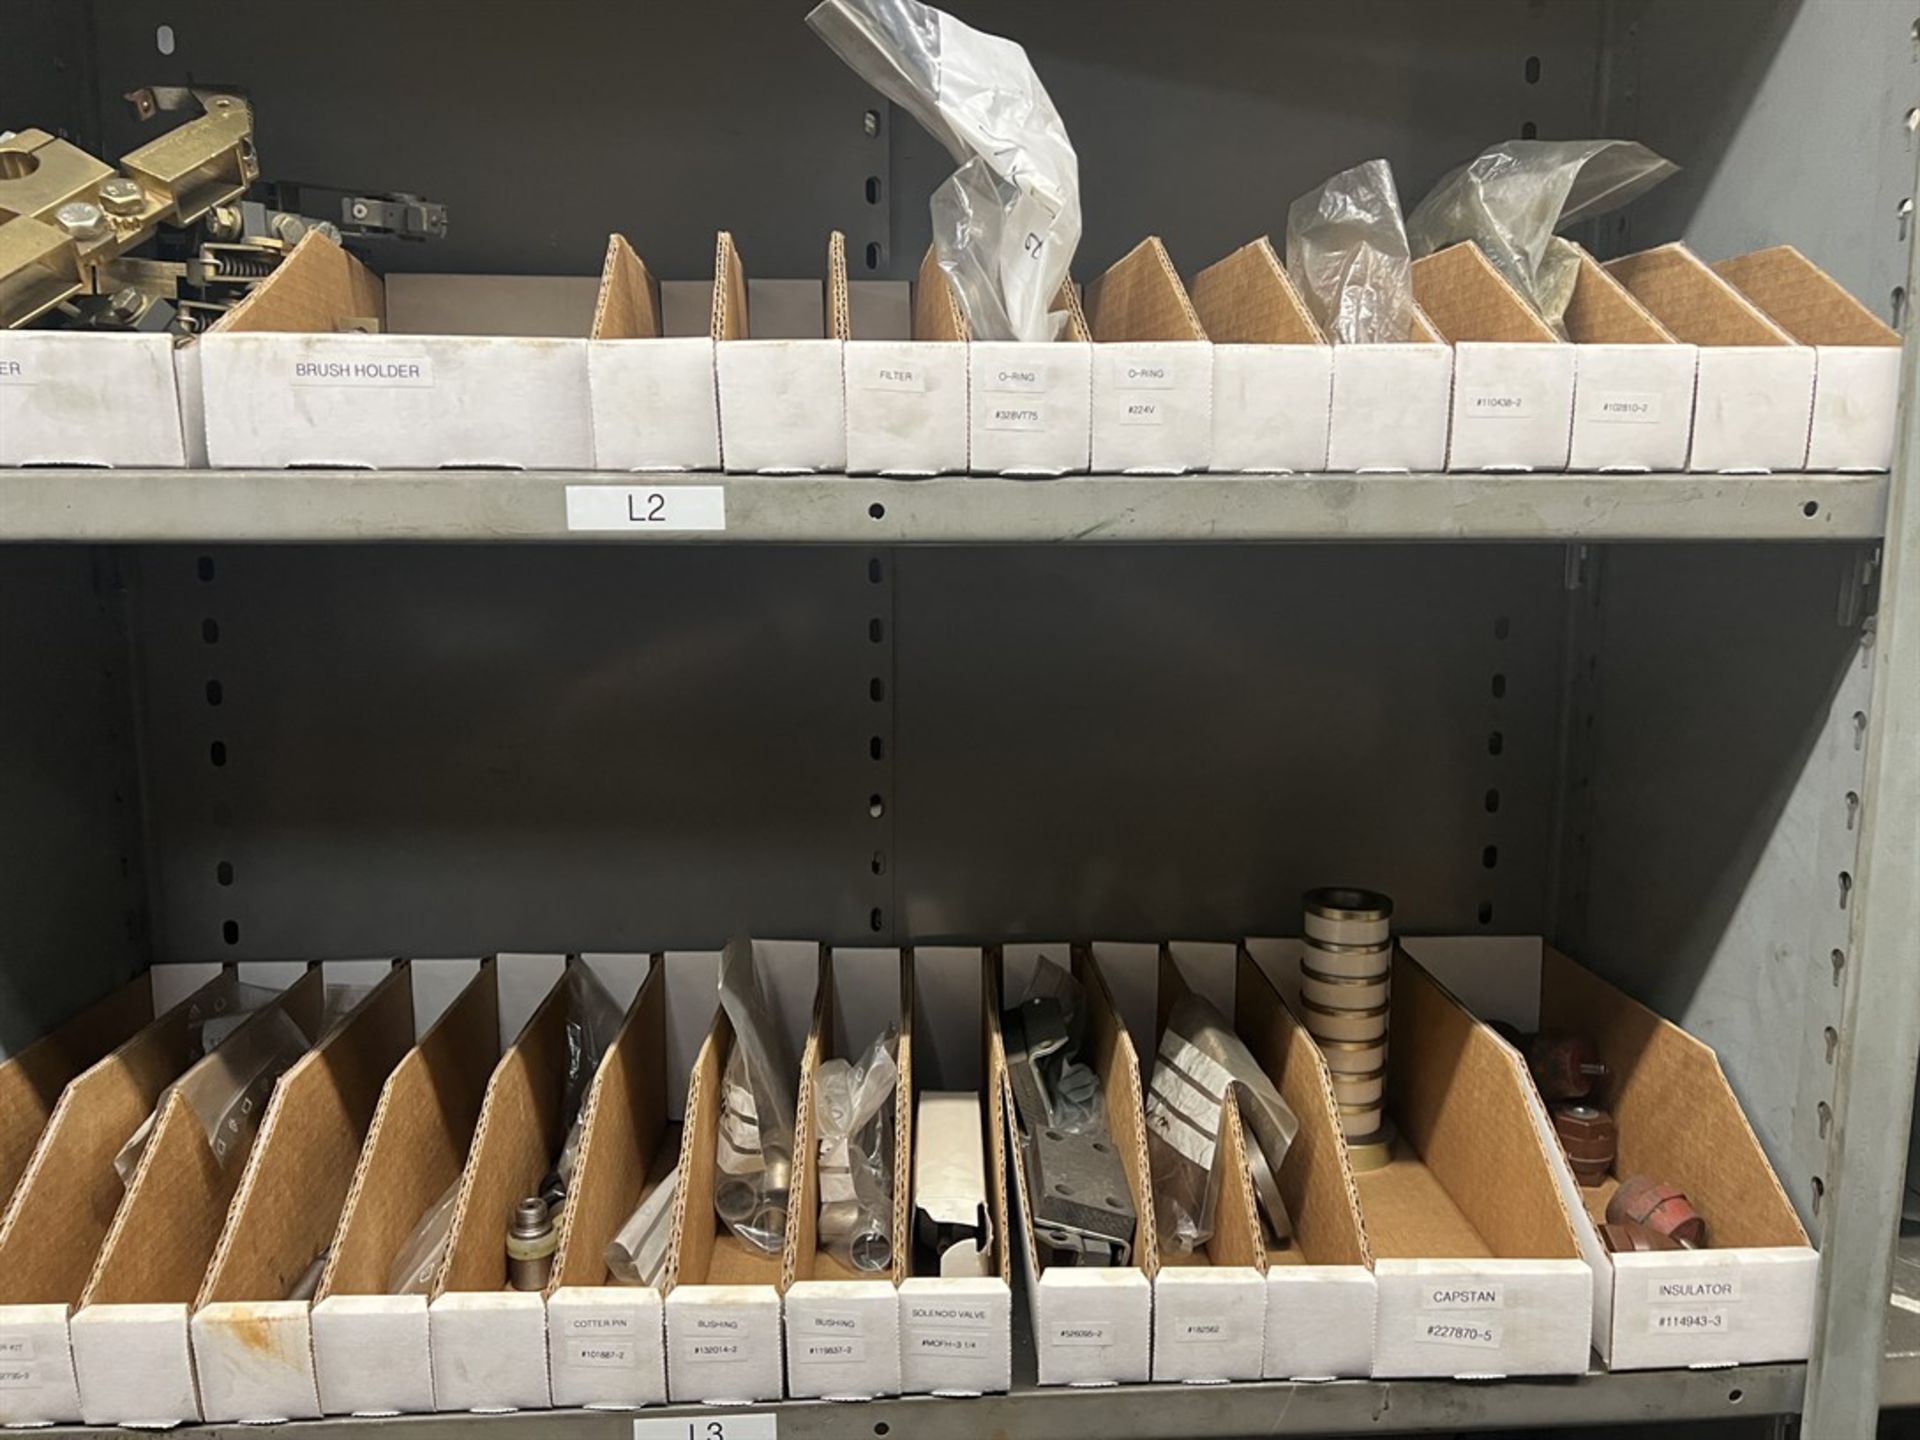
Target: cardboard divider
<point>1392,404</point>
<point>606,1341</point>
<point>907,394</point>
<point>652,395</point>
<point>1152,369</point>
<point>956,1330</point>
<point>1749,1297</point>
<point>782,401</point>
<point>843,1324</point>
<point>131,1347</point>
<point>1753,404</point>
<point>290,378</point>
<point>723,1296</point>
<point>253,1342</point>
<point>1091,1325</point>
<point>1856,384</point>
<point>53,1227</point>
<point>371,1347</point>
<point>1030,404</point>
<point>1633,382</point>
<point>1272,368</point>
<point>1512,378</point>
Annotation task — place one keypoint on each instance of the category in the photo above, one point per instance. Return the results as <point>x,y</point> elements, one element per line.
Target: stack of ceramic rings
<point>1345,980</point>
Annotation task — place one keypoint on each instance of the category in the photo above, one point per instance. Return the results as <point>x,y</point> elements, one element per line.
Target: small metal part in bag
<point>1662,1208</point>
<point>1590,1138</point>
<point>1082,1208</point>
<point>1623,1237</point>
<point>1565,1066</point>
<point>531,1239</point>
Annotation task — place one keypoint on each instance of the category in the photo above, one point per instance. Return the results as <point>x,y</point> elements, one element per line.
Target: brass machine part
<point>1663,1208</point>
<point>1565,1065</point>
<point>65,215</point>
<point>1590,1138</point>
<point>1372,1152</point>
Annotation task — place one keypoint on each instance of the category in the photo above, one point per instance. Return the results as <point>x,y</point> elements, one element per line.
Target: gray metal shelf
<point>480,505</point>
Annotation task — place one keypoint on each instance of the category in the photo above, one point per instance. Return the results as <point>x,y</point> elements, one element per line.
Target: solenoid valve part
<point>1325,1023</point>
<point>1590,1138</point>
<point>1346,915</point>
<point>1663,1208</point>
<point>1348,962</point>
<point>531,1240</point>
<point>1565,1065</point>
<point>1341,994</point>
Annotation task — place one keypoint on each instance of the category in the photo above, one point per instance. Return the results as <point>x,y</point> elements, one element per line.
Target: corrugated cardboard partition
<point>1119,1071</point>
<point>1460,292</point>
<point>1602,311</point>
<point>417,1141</point>
<point>1805,301</point>
<point>515,1143</point>
<point>302,1163</point>
<point>1315,1179</point>
<point>1659,1070</point>
<point>1457,1095</point>
<point>903,1128</point>
<point>1695,304</point>
<point>838,321</point>
<point>1077,328</point>
<point>1141,298</point>
<point>65,1203</point>
<point>315,288</point>
<point>628,307</point>
<point>1247,299</point>
<point>32,1081</point>
<point>729,291</point>
<point>164,1232</point>
<point>936,314</point>
<point>627,1144</point>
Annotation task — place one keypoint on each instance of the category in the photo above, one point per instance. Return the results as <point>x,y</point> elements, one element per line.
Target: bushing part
<point>1565,1065</point>
<point>1347,916</point>
<point>1324,1023</point>
<point>1623,1237</point>
<point>1661,1207</point>
<point>1363,1088</point>
<point>1347,962</point>
<point>1338,994</point>
<point>1358,1120</point>
<point>1353,1057</point>
<point>1590,1138</point>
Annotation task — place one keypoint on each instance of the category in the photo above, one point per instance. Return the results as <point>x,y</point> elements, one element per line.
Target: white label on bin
<point>894,377</point>
<point>1689,1320</point>
<point>1202,1332</point>
<point>947,1342</point>
<point>1477,1295</point>
<point>18,1377</point>
<point>601,1354</point>
<point>1157,376</point>
<point>712,1425</point>
<point>646,509</point>
<point>394,372</point>
<point>1495,405</point>
<point>16,1347</point>
<point>1721,1290</point>
<point>1479,1334</point>
<point>948,1315</point>
<point>837,1350</point>
<point>599,1327</point>
<point>1082,1332</point>
<point>1015,379</point>
<point>1015,417</point>
<point>1625,407</point>
<point>14,372</point>
<point>718,1351</point>
<point>1142,412</point>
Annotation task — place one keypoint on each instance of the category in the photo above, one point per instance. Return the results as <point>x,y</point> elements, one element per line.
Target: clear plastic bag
<point>637,1254</point>
<point>754,1151</point>
<point>1006,224</point>
<point>1512,199</point>
<point>1347,254</point>
<point>418,1259</point>
<point>853,1107</point>
<point>1201,1064</point>
<point>593,1021</point>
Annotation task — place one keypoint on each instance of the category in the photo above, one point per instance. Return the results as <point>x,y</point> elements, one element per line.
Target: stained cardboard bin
<point>1512,376</point>
<point>290,379</point>
<point>1030,404</point>
<point>651,389</point>
<point>1091,1325</point>
<point>131,1346</point>
<point>723,1296</point>
<point>252,1341</point>
<point>1856,355</point>
<point>1747,1300</point>
<point>58,1217</point>
<point>488,1341</point>
<point>70,397</point>
<point>783,408</point>
<point>1272,368</point>
<point>1753,403</point>
<point>843,1324</point>
<point>1633,382</point>
<point>370,1346</point>
<point>606,1342</point>
<point>1479,1269</point>
<point>1152,369</point>
<point>907,390</point>
<point>956,1308</point>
